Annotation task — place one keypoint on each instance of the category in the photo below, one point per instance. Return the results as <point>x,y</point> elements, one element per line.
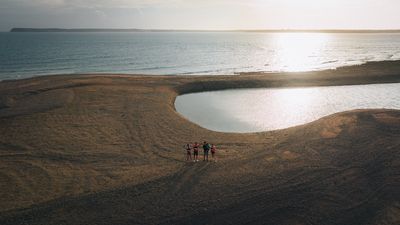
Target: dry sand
<point>107,149</point>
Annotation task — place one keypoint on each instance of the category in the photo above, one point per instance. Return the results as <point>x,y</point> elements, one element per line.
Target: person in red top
<point>188,152</point>
<point>196,152</point>
<point>213,151</point>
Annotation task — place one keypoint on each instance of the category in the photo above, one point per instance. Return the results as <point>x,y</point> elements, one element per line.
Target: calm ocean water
<point>30,54</point>
<point>254,110</point>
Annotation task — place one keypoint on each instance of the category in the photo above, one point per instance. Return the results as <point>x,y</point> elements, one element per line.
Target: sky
<point>201,14</point>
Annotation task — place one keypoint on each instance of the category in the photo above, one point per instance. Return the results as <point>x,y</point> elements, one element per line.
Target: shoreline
<point>95,149</point>
<point>369,64</point>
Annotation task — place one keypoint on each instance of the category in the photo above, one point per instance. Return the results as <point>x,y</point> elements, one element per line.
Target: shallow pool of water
<point>254,110</point>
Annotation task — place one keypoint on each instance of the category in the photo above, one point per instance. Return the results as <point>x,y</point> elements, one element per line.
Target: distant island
<point>177,30</point>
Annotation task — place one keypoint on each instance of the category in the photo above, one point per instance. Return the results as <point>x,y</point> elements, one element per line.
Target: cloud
<point>88,3</point>
<point>18,4</point>
<point>200,14</point>
<point>122,3</point>
<point>115,3</point>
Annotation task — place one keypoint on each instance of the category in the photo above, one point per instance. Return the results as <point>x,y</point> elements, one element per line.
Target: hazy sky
<point>202,14</point>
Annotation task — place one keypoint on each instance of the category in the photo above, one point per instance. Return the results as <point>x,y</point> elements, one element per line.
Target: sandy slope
<point>107,149</point>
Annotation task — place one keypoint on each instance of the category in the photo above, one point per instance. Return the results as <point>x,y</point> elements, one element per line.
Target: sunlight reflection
<point>300,51</point>
<point>253,110</point>
<point>284,102</point>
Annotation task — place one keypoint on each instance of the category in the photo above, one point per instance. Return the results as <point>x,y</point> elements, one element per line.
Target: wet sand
<point>107,149</point>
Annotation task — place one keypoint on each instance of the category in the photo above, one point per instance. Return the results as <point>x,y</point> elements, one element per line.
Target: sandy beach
<point>107,149</point>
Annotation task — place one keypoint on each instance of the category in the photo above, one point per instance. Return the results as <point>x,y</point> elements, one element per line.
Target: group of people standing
<point>195,147</point>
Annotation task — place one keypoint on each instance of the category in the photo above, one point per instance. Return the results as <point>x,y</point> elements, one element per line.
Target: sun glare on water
<point>290,106</point>
<point>300,51</point>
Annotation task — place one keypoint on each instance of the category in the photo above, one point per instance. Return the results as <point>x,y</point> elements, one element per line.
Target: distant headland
<point>187,30</point>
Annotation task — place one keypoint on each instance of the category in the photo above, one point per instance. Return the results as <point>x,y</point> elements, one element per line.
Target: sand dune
<point>107,149</point>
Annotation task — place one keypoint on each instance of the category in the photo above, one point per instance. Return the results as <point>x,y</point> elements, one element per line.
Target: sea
<point>25,55</point>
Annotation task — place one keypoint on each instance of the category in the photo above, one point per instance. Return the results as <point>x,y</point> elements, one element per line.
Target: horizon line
<point>20,29</point>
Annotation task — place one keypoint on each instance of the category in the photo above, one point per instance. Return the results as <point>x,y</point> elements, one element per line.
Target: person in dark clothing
<point>206,149</point>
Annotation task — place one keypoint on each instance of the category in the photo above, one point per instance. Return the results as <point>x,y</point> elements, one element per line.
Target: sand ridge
<point>107,149</point>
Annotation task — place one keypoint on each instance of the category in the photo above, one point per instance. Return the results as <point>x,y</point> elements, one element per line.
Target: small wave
<point>155,68</point>
<point>330,61</point>
<point>368,58</point>
<point>225,71</point>
<point>395,56</point>
<point>206,72</point>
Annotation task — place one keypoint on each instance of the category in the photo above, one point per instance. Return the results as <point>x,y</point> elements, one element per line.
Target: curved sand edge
<point>96,149</point>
